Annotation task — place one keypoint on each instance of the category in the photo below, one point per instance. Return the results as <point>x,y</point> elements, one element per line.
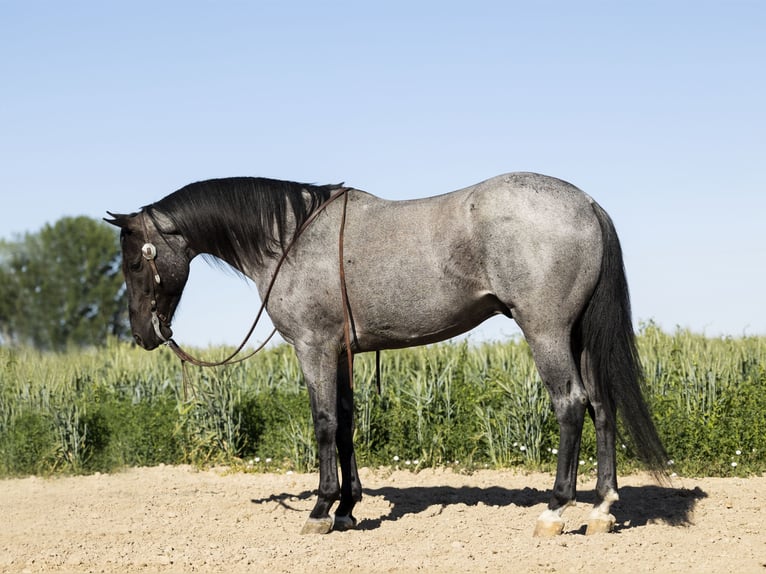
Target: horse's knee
<point>325,427</point>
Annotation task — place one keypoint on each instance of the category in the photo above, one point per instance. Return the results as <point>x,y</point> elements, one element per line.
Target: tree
<point>8,295</point>
<point>63,286</point>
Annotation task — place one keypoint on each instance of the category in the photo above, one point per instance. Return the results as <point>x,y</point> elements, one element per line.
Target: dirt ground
<point>177,519</point>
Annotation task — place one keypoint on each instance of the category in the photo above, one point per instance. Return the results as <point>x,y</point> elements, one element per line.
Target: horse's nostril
<point>137,338</point>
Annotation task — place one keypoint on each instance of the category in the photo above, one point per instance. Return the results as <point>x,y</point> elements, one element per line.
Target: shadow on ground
<point>638,505</point>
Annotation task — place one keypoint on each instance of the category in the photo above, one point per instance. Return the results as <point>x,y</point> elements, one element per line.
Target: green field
<point>460,404</point>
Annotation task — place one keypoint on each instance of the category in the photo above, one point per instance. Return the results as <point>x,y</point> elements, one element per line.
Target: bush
<point>120,434</point>
<point>27,447</point>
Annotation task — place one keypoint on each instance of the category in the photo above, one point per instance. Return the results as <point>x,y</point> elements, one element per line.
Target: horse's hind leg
<point>351,487</point>
<point>604,414</point>
<point>555,363</point>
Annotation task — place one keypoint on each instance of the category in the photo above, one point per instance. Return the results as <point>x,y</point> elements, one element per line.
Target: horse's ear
<point>125,221</point>
<point>118,219</point>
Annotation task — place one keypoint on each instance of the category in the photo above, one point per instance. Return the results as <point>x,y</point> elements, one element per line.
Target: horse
<point>365,274</point>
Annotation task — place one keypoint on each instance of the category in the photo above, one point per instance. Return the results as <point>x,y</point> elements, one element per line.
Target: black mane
<point>240,219</point>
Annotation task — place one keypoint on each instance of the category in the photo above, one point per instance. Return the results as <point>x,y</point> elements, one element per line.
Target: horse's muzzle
<point>154,338</point>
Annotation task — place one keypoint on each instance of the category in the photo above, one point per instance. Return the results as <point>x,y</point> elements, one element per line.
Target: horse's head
<point>155,262</point>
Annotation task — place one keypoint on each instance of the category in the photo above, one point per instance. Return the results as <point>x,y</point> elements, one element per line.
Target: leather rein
<point>149,252</point>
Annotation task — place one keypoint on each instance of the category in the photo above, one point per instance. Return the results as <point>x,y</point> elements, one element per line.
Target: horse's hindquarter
<point>543,245</point>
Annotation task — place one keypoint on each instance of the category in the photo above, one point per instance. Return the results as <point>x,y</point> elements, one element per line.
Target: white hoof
<point>600,520</point>
<point>600,523</point>
<point>548,525</point>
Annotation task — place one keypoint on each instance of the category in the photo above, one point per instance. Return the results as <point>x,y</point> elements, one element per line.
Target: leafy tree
<point>7,295</point>
<point>63,286</point>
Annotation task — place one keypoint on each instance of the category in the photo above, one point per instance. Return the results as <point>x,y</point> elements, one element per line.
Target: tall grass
<point>448,404</point>
<point>708,396</point>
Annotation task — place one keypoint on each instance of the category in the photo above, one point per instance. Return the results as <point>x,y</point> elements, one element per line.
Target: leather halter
<point>149,253</point>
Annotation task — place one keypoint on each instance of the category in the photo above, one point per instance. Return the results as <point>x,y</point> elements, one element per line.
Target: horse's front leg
<point>320,368</point>
<point>351,487</point>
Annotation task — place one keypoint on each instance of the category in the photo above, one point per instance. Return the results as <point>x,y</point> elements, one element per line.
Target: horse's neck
<point>262,273</point>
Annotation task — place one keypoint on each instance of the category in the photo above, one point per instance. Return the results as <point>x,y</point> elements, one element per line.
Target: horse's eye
<point>135,266</point>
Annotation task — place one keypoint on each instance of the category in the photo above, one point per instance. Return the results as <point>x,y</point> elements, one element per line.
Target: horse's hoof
<point>549,524</point>
<point>318,526</point>
<point>600,524</point>
<point>548,528</point>
<point>343,523</point>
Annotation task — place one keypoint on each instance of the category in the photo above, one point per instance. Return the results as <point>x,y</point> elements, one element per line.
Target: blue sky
<point>654,108</point>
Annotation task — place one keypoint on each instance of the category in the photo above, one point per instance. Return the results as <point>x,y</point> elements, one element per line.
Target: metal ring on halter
<point>149,251</point>
<point>156,323</point>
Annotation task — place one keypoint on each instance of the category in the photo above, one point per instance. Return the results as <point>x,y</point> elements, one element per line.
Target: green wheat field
<point>465,405</point>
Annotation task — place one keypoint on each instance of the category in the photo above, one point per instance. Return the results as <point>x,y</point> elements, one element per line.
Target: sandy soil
<point>177,519</point>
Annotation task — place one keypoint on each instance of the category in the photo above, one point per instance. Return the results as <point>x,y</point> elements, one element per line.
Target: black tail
<point>608,338</point>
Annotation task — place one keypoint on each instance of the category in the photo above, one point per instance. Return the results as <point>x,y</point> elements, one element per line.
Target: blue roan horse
<point>530,247</point>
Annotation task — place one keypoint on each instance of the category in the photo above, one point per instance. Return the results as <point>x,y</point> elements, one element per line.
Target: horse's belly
<point>408,323</point>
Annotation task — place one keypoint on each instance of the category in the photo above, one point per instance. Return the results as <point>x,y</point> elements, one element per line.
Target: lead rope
<point>185,357</point>
<point>344,297</point>
<point>348,318</point>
